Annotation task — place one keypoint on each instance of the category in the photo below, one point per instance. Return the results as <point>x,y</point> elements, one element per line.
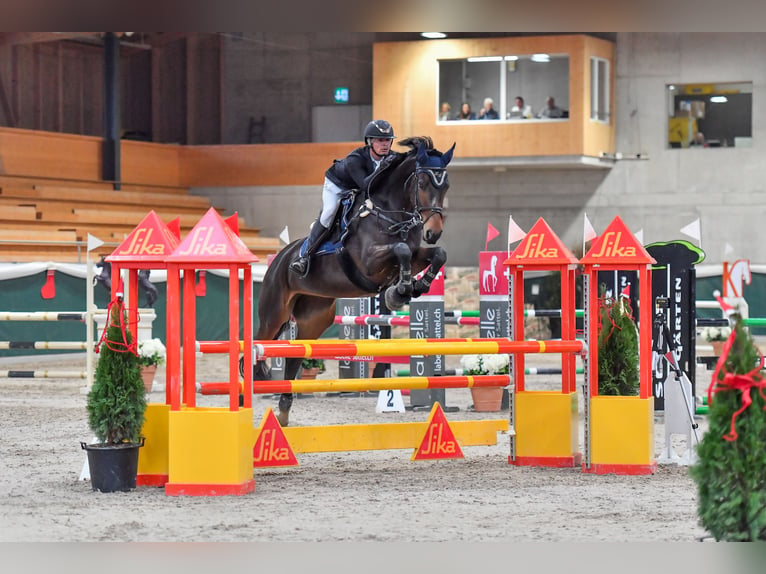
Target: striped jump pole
<point>44,345</point>
<point>362,385</point>
<point>454,313</point>
<point>43,316</point>
<point>527,371</point>
<point>396,347</point>
<point>394,321</point>
<point>43,374</point>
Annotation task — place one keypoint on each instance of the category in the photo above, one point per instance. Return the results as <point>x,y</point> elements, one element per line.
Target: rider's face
<point>381,147</point>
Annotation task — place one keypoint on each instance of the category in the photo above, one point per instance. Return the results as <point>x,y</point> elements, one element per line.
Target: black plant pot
<point>113,468</point>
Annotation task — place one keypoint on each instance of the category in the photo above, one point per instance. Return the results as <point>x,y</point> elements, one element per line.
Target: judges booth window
<point>599,90</point>
<point>710,115</point>
<point>534,78</point>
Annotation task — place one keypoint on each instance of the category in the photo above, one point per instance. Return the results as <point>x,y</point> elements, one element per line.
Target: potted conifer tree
<point>731,461</point>
<point>618,359</point>
<point>116,406</point>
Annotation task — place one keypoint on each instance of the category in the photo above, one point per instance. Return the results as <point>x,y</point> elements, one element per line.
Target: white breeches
<point>330,201</point>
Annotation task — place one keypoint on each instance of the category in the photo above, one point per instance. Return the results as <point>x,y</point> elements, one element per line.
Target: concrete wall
<point>283,75</point>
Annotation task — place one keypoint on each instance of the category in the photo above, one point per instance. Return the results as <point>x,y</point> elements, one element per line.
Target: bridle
<point>438,178</point>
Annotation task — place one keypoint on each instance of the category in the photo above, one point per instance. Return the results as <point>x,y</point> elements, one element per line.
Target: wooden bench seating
<point>43,219</point>
<point>186,203</point>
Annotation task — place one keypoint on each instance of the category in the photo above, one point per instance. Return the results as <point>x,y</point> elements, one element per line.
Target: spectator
<point>551,110</point>
<point>444,112</point>
<point>488,112</point>
<point>519,110</point>
<point>465,112</point>
<point>699,140</point>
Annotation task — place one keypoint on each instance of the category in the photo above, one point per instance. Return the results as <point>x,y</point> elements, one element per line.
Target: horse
<point>376,247</point>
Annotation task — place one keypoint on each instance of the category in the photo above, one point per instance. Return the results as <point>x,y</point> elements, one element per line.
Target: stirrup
<point>300,266</point>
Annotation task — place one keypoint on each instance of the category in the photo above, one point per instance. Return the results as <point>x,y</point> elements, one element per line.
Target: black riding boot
<point>317,234</point>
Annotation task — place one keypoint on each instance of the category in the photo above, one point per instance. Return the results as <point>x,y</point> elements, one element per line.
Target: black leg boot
<point>316,236</point>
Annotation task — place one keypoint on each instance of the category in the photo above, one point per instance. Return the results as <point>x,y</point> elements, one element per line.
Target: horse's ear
<point>447,156</point>
<point>422,155</point>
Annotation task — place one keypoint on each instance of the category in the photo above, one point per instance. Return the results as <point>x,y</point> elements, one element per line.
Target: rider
<point>348,173</point>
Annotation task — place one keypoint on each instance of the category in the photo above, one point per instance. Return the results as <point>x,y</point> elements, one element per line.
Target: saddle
<point>339,230</point>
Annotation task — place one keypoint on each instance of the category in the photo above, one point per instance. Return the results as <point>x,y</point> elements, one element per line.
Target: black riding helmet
<point>378,129</point>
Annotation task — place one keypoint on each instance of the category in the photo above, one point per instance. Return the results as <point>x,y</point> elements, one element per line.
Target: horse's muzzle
<point>432,236</point>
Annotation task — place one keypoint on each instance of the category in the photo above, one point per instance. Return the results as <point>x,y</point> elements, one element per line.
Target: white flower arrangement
<point>485,364</point>
<point>716,333</point>
<point>151,352</point>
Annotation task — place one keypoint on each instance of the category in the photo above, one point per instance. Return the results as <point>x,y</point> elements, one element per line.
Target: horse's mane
<point>414,142</point>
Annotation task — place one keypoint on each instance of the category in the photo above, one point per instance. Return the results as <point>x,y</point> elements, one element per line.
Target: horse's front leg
<point>399,294</point>
<point>436,257</point>
<point>286,399</point>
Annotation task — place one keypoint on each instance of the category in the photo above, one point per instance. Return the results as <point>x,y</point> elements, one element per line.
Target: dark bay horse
<point>381,252</point>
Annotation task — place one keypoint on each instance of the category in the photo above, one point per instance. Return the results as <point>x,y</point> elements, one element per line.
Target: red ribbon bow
<point>734,382</point>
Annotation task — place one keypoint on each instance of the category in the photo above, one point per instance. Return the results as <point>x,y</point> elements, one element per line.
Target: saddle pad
<point>331,246</point>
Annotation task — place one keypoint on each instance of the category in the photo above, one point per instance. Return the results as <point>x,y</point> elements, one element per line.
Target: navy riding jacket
<point>352,171</point>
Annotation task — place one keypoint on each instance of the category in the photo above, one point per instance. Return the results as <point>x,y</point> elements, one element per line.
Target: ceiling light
<point>433,35</point>
<point>513,58</point>
<point>541,58</point>
<point>719,99</point>
<point>486,59</point>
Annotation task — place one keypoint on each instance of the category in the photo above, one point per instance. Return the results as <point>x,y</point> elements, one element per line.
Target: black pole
<point>111,150</point>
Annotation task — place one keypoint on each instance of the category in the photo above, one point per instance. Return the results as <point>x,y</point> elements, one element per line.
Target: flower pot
<point>717,348</point>
<point>487,399</point>
<point>113,468</point>
<point>147,375</point>
<point>310,373</point>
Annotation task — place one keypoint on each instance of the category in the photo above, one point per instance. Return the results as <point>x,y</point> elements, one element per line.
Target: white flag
<point>94,242</point>
<point>693,230</point>
<point>515,233</point>
<point>285,235</point>
<point>728,250</point>
<point>640,236</point>
<point>588,232</point>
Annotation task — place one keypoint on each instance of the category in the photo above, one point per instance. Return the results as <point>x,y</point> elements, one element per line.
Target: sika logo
<point>534,248</point>
<point>435,443</point>
<point>268,450</point>
<point>141,244</point>
<point>271,447</point>
<point>611,246</point>
<point>438,440</point>
<point>201,243</point>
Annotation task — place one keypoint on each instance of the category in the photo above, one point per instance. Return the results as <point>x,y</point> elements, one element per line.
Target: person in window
<point>699,140</point>
<point>488,112</point>
<point>351,172</point>
<point>519,109</point>
<point>444,112</point>
<point>551,110</point>
<point>465,112</point>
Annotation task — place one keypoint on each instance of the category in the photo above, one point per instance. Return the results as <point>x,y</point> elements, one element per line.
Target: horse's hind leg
<point>313,315</point>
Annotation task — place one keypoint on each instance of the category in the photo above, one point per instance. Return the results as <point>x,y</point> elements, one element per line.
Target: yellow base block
<point>210,451</point>
<point>153,457</point>
<point>622,434</point>
<point>546,429</point>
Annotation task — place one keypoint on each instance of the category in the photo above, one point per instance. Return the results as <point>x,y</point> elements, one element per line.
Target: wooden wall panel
<point>46,154</point>
<point>262,164</point>
<point>151,163</point>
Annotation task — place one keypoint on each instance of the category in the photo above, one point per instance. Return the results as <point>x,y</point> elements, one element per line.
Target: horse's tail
<point>261,371</point>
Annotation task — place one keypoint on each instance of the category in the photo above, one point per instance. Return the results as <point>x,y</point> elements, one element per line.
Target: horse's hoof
<point>393,301</point>
<point>283,418</point>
